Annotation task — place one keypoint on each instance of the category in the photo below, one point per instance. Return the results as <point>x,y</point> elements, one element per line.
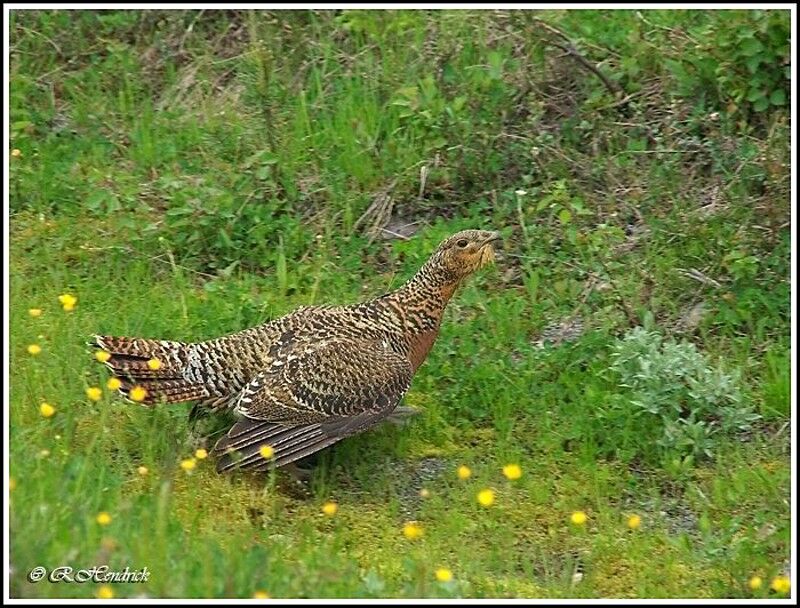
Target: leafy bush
<point>740,62</point>
<point>679,400</point>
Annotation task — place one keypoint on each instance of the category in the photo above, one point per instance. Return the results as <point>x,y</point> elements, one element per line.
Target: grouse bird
<point>306,380</point>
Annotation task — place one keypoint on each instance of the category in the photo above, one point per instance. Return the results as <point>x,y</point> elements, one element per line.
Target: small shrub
<point>741,62</point>
<point>682,401</point>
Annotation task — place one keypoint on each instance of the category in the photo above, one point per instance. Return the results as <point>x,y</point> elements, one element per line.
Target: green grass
<point>189,174</point>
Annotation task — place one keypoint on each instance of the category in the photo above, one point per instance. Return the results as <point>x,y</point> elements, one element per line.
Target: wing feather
<point>312,397</point>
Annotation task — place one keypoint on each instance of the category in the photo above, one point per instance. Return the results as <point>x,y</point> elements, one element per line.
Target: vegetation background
<point>186,174</point>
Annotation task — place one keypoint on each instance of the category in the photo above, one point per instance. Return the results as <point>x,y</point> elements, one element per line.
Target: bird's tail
<point>150,371</point>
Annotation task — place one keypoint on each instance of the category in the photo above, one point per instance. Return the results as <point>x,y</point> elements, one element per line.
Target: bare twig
<point>698,276</point>
<point>570,49</point>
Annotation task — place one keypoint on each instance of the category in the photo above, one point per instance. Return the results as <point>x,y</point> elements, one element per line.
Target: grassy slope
<point>152,116</point>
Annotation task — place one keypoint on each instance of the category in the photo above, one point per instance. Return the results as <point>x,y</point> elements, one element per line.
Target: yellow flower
<point>634,521</point>
<point>330,508</point>
<point>266,452</point>
<point>261,595</point>
<point>188,464</point>
<point>102,356</point>
<point>142,470</point>
<point>44,453</point>
<point>34,349</point>
<point>16,152</point>
<point>46,410</point>
<point>35,312</point>
<point>201,454</point>
<point>578,518</point>
<point>755,582</point>
<point>512,471</point>
<point>68,301</point>
<point>463,472</point>
<point>94,393</point>
<point>486,498</point>
<point>781,584</point>
<point>412,530</point>
<point>113,384</point>
<point>154,364</point>
<point>443,575</point>
<point>103,518</point>
<point>12,484</point>
<point>424,493</point>
<point>137,393</point>
<point>105,592</point>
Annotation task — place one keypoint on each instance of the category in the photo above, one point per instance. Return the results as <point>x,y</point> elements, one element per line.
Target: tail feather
<point>157,366</point>
<point>241,447</point>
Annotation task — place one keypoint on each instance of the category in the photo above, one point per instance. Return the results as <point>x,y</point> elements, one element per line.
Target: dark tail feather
<point>241,447</point>
<point>157,366</point>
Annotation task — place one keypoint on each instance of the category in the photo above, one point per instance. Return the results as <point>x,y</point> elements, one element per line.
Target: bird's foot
<point>401,414</point>
<point>299,473</point>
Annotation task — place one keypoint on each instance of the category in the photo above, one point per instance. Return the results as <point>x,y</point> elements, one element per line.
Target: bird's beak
<point>493,238</point>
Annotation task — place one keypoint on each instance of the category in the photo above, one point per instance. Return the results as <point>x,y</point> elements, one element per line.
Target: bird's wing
<point>311,397</point>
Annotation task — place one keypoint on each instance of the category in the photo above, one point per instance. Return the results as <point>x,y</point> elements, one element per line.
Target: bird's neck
<point>428,291</point>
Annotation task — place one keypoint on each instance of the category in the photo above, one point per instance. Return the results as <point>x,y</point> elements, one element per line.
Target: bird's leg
<point>298,472</point>
<point>401,414</point>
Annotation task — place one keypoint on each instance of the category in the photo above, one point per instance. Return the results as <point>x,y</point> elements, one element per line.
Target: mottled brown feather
<point>308,379</point>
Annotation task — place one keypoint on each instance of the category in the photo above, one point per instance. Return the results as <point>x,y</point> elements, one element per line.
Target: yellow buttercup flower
<point>35,312</point>
<point>266,452</point>
<point>463,472</point>
<point>330,508</point>
<point>781,584</point>
<point>412,530</point>
<point>103,518</point>
<point>105,592</point>
<point>578,518</point>
<point>512,471</point>
<point>102,356</point>
<point>634,521</point>
<point>142,470</point>
<point>46,410</point>
<point>34,349</point>
<point>755,582</point>
<point>113,384</point>
<point>138,393</point>
<point>261,595</point>
<point>486,498</point>
<point>443,575</point>
<point>201,454</point>
<point>188,464</point>
<point>68,301</point>
<point>154,364</point>
<point>424,493</point>
<point>94,393</point>
<point>16,152</point>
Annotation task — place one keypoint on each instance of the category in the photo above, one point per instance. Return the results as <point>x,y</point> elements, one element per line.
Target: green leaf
<point>752,63</point>
<point>778,97</point>
<point>755,94</point>
<point>761,104</point>
<point>565,216</point>
<point>750,46</point>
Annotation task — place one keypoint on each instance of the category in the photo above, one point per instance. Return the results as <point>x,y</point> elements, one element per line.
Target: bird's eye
<point>462,243</point>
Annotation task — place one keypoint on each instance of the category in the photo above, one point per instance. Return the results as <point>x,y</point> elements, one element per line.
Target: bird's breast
<point>420,345</point>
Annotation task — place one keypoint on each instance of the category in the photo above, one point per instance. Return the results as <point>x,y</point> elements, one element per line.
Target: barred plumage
<point>313,377</point>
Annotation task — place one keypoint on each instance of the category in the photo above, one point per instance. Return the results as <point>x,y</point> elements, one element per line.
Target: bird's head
<point>465,252</point>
